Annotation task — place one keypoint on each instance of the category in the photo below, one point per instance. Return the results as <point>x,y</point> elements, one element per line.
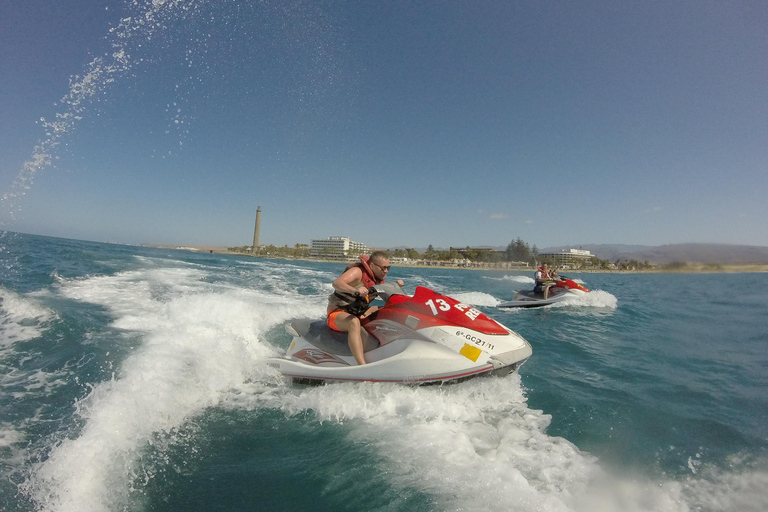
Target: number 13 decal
<point>444,306</point>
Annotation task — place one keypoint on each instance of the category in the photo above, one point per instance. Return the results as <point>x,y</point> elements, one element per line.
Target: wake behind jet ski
<point>561,290</point>
<point>425,339</point>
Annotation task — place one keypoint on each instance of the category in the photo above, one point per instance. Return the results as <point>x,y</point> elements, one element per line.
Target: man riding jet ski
<point>549,289</point>
<point>349,302</point>
<point>425,339</point>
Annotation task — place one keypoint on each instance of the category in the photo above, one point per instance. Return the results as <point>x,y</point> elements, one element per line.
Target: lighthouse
<point>256,231</point>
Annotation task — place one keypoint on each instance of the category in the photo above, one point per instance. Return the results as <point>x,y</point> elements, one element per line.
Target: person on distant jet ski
<point>544,280</point>
<point>348,304</point>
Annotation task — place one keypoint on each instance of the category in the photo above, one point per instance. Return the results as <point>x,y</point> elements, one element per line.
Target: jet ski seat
<point>323,337</point>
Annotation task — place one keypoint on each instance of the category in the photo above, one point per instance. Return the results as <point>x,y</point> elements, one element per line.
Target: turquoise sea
<point>134,379</point>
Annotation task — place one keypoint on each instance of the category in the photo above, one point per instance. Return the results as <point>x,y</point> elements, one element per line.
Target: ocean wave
<point>449,441</point>
<point>477,446</point>
<point>21,318</point>
<point>594,299</point>
<point>475,298</point>
<point>512,279</point>
<point>197,342</point>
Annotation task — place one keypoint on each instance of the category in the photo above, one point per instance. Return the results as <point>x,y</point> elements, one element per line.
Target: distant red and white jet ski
<point>425,339</point>
<point>562,290</point>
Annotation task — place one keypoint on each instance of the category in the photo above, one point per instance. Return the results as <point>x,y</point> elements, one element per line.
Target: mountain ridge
<point>723,254</point>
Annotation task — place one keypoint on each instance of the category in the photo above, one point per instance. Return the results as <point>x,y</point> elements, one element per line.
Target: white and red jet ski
<point>562,290</point>
<point>425,339</point>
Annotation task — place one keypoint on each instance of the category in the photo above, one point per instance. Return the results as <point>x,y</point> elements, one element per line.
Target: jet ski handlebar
<point>385,290</point>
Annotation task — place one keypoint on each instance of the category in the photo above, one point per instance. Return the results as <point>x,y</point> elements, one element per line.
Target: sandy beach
<point>689,268</point>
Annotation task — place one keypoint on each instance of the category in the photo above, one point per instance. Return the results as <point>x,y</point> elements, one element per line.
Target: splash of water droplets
<point>150,17</point>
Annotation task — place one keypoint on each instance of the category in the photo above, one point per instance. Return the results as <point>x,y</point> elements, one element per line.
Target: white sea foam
<point>12,450</point>
<point>9,436</point>
<point>512,279</point>
<point>471,447</point>
<point>741,489</point>
<point>36,382</point>
<point>475,298</point>
<point>21,318</point>
<point>477,446</point>
<point>199,340</point>
<point>414,280</point>
<point>595,299</point>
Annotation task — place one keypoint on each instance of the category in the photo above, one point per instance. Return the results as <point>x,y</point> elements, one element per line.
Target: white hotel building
<point>567,258</point>
<point>336,247</point>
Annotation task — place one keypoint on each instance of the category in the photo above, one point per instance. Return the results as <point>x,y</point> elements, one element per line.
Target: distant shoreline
<point>689,268</point>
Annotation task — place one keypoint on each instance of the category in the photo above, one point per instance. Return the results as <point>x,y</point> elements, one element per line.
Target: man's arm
<point>346,282</point>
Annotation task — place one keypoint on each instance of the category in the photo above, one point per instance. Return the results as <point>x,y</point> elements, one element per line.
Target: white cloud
<point>655,209</point>
<point>498,216</point>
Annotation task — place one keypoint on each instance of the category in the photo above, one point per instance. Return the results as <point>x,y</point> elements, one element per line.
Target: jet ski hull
<point>529,299</point>
<point>414,348</point>
<point>404,361</point>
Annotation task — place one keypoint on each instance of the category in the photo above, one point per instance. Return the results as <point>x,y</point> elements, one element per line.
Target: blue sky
<point>393,123</point>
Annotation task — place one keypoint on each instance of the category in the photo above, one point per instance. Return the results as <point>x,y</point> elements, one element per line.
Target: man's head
<point>379,264</point>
